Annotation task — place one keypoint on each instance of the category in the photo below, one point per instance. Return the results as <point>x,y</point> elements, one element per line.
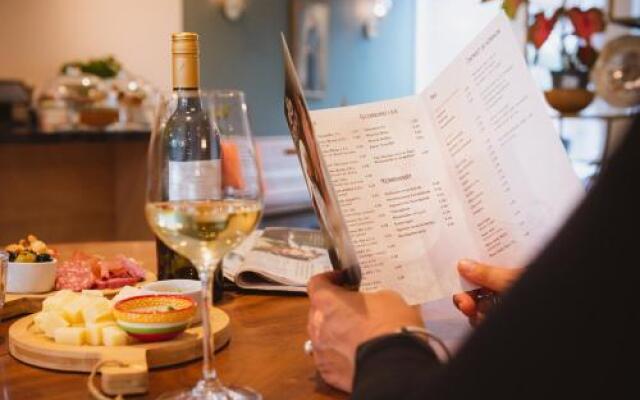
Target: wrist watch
<point>427,337</point>
<point>416,332</point>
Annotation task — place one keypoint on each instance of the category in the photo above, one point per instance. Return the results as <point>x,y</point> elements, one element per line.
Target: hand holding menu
<point>470,168</point>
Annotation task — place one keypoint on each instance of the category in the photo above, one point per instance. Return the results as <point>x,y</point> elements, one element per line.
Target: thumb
<point>323,280</point>
<point>495,278</point>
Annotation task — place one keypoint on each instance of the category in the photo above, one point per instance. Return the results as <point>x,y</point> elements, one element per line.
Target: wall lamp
<point>379,10</point>
<point>232,10</point>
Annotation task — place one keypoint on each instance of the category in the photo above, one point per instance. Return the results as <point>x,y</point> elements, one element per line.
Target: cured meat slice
<point>74,276</point>
<point>115,283</point>
<point>83,271</point>
<point>132,266</point>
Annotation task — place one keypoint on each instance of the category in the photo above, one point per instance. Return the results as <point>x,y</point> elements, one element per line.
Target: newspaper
<point>278,259</point>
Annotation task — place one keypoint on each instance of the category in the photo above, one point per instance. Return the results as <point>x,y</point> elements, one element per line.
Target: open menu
<point>472,167</point>
<point>278,259</point>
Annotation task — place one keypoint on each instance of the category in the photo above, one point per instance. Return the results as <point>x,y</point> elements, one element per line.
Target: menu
<point>472,167</point>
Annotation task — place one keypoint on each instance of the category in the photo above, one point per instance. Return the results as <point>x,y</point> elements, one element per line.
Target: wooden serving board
<point>29,303</point>
<point>38,350</point>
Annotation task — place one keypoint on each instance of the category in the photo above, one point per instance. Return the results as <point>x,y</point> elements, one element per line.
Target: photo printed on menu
<point>324,200</point>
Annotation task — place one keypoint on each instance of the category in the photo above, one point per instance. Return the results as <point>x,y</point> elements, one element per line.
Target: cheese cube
<point>96,309</point>
<point>94,332</point>
<point>73,311</point>
<point>49,322</point>
<point>59,300</point>
<point>74,336</point>
<point>93,292</point>
<point>114,336</point>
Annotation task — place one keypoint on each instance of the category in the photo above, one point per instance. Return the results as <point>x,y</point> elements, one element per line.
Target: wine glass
<point>229,111</point>
<point>203,199</point>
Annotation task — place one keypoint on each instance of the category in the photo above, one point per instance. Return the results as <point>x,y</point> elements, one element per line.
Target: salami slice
<point>74,276</point>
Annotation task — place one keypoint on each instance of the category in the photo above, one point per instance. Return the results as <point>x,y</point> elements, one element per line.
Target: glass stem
<point>210,376</point>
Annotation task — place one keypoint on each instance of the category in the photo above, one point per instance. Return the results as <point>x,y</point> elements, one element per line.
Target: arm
<point>409,355</point>
<point>566,327</point>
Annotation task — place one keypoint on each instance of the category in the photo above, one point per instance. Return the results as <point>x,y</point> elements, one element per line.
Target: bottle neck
<point>188,98</point>
<point>185,72</point>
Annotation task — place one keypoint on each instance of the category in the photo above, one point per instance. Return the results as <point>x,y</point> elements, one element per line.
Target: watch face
<point>233,9</point>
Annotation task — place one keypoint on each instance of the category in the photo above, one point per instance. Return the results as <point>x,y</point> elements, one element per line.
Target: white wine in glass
<point>204,230</point>
<point>203,198</point>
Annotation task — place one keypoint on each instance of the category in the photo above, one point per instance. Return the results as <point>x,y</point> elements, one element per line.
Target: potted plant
<point>575,28</point>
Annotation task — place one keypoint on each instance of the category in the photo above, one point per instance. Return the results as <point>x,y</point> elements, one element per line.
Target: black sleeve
<point>382,365</point>
<point>567,329</point>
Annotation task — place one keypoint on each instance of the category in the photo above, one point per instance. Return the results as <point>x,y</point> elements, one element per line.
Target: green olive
<point>26,257</point>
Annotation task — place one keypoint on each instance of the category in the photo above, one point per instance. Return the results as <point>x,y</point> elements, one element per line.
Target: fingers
<point>476,320</point>
<point>314,324</point>
<point>322,295</point>
<point>464,302</point>
<point>334,369</point>
<point>325,280</point>
<point>495,278</point>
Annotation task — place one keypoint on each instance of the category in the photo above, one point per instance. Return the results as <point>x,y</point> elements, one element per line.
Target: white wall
<point>38,36</point>
<point>443,29</point>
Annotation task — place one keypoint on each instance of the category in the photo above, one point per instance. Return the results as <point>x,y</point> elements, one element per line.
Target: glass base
<point>205,391</point>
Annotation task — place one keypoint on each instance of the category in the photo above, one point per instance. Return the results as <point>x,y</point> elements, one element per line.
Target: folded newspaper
<point>279,259</point>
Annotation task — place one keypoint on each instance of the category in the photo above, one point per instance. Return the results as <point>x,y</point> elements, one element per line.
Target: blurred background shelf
<point>31,136</point>
<point>86,185</point>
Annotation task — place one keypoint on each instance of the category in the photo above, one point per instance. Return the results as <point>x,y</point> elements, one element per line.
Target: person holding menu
<point>567,328</point>
<point>470,168</point>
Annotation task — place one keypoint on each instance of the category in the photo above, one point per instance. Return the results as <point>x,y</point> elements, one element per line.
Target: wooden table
<point>265,352</point>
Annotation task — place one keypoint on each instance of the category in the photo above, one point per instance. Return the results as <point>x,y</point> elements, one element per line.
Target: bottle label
<point>195,180</point>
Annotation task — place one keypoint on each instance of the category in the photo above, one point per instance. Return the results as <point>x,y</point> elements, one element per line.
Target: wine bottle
<point>172,265</point>
<point>192,143</point>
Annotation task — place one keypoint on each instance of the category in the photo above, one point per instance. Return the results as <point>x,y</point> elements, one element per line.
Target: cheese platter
<point>120,338</point>
<point>129,373</point>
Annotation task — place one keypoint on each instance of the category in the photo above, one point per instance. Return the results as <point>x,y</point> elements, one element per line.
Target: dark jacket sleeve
<point>382,365</point>
<point>568,327</point>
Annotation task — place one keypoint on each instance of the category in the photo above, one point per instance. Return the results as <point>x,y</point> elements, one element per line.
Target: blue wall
<point>246,55</point>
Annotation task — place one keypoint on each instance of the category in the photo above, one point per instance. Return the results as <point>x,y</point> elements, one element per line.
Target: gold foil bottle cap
<point>184,43</point>
<point>185,63</point>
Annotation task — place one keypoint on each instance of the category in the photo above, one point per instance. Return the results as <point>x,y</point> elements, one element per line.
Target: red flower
<point>541,28</point>
<point>586,23</point>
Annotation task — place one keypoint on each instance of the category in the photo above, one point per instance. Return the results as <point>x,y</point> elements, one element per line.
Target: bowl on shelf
<point>154,317</point>
<point>569,101</point>
<point>31,277</point>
